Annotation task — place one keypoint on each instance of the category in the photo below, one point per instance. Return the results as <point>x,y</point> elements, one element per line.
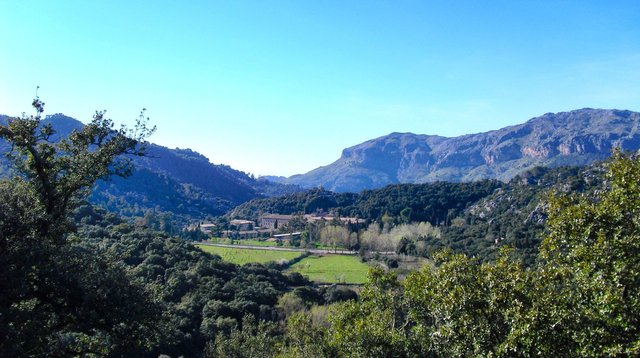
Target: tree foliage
<point>200,297</point>
<point>581,299</point>
<point>59,173</point>
<point>59,299</point>
<point>595,244</point>
<point>434,202</point>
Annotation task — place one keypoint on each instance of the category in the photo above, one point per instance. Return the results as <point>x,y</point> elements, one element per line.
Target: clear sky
<point>281,87</point>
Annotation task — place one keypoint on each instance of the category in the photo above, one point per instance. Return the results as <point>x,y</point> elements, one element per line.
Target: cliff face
<point>567,138</point>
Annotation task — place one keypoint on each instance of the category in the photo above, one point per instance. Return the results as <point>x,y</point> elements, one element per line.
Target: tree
<point>254,339</point>
<point>334,235</point>
<point>306,335</point>
<point>60,173</point>
<point>59,298</point>
<point>374,326</point>
<point>464,308</point>
<point>592,259</point>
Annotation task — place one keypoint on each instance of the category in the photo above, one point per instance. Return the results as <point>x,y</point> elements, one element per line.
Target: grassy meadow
<point>332,269</point>
<point>243,256</point>
<point>320,268</point>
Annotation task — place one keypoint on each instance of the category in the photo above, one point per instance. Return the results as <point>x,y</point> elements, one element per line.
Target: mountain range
<point>184,182</point>
<point>180,181</point>
<point>577,137</point>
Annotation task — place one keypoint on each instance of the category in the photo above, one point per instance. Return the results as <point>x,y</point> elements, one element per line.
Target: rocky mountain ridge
<point>567,138</point>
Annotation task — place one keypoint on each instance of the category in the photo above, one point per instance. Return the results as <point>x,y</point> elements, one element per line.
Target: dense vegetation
<point>78,281</point>
<point>435,203</point>
<point>515,214</point>
<point>58,298</point>
<point>195,295</point>
<point>471,218</point>
<point>581,299</point>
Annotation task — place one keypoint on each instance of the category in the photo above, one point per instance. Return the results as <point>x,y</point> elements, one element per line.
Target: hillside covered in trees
<point>434,202</point>
<point>474,218</point>
<point>177,182</point>
<point>581,299</point>
<point>79,281</point>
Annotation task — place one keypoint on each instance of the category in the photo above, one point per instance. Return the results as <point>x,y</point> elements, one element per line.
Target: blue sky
<point>282,87</point>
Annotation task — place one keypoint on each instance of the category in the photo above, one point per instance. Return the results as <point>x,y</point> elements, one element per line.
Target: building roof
<point>287,235</point>
<point>314,218</point>
<point>277,217</point>
<point>241,222</point>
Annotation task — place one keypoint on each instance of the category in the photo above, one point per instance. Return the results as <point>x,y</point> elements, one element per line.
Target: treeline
<point>435,203</point>
<point>472,218</point>
<point>304,202</point>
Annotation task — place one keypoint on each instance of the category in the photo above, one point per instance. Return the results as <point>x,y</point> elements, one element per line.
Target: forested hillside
<point>435,202</point>
<point>195,296</point>
<point>475,218</point>
<point>179,182</point>
<point>515,215</point>
<point>581,299</point>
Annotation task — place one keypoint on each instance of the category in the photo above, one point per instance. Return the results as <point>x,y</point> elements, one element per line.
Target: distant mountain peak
<point>574,137</point>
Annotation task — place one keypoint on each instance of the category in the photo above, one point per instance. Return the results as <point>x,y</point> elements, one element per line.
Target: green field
<point>243,256</point>
<point>323,269</point>
<point>332,269</point>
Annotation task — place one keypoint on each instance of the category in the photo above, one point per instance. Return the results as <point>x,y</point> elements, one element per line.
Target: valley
<point>319,179</point>
<point>189,261</point>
